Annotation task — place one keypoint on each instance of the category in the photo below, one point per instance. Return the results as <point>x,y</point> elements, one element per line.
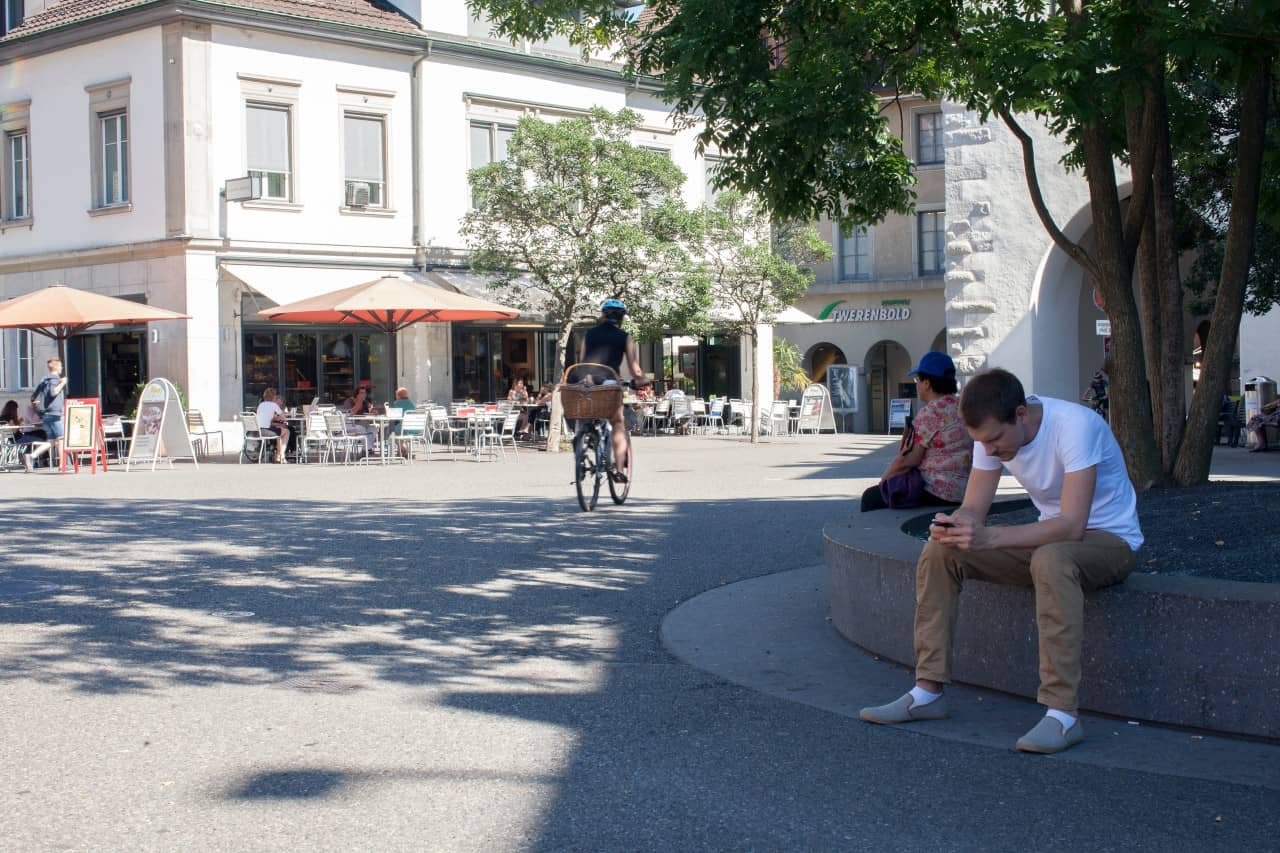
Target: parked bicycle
<point>590,406</point>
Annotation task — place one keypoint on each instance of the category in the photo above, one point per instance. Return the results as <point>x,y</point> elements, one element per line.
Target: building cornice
<point>142,17</point>
<point>116,253</point>
<point>453,47</point>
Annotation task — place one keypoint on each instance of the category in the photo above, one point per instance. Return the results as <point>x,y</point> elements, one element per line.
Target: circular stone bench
<point>1187,651</point>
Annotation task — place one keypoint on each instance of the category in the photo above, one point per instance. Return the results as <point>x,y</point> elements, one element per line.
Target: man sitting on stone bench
<point>1066,458</point>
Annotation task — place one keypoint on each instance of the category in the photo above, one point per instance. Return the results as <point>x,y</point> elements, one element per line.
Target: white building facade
<point>123,121</point>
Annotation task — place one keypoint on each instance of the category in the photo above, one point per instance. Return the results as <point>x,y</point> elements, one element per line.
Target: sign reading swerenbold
<point>889,310</point>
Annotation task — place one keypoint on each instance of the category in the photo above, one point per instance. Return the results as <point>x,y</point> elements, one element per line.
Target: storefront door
<point>107,365</point>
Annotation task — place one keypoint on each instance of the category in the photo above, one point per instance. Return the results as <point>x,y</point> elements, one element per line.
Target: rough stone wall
<point>995,242</point>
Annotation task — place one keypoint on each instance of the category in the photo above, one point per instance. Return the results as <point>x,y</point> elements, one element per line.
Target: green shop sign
<point>888,310</point>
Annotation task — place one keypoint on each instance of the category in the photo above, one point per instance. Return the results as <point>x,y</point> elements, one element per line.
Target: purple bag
<point>902,491</point>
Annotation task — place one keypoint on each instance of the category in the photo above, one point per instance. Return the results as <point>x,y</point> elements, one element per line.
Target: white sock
<point>1063,717</point>
<point>920,696</point>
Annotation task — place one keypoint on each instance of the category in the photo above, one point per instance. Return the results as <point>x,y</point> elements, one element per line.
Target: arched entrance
<point>886,365</point>
<point>819,357</point>
<point>940,342</point>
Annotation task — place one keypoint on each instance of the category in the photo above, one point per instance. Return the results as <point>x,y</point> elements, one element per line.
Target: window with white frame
<point>114,127</point>
<point>489,142</point>
<point>364,153</point>
<point>930,241</point>
<point>855,253</point>
<point>4,359</point>
<point>17,175</point>
<point>26,359</point>
<point>929,150</point>
<point>110,166</point>
<point>269,148</point>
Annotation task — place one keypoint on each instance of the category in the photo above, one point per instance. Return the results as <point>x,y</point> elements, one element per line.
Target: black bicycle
<point>591,406</point>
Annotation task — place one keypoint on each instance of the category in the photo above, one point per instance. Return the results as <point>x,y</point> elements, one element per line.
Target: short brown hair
<point>991,394</point>
<point>402,393</point>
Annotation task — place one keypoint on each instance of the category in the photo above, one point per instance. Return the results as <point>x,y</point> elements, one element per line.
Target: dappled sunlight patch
<point>510,581</point>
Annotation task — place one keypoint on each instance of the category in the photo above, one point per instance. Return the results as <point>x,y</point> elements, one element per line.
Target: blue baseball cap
<point>936,363</point>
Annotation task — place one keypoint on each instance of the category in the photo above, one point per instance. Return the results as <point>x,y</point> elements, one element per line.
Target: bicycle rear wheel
<point>619,491</point>
<point>584,470</point>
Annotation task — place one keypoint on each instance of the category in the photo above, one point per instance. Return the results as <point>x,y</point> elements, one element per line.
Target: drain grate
<point>320,685</point>
<point>20,588</point>
<point>232,614</point>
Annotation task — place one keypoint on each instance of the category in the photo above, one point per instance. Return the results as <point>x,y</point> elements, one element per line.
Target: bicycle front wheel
<point>584,471</point>
<point>619,491</point>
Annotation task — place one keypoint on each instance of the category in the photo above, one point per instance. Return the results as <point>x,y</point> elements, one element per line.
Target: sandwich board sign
<point>815,410</point>
<point>161,428</point>
<point>83,434</point>
<point>899,410</point>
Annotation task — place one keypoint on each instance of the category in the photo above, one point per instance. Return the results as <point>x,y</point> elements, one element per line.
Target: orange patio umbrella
<point>389,303</point>
<point>59,312</point>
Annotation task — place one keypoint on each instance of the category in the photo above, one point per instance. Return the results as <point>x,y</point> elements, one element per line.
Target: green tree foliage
<point>576,214</point>
<point>789,93</point>
<point>755,272</point>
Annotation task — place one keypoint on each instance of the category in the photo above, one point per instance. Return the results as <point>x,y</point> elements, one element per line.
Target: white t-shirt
<point>267,410</point>
<point>1073,438</point>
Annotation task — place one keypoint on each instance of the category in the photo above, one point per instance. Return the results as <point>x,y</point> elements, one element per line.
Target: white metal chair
<point>200,434</point>
<point>714,417</point>
<point>443,426</point>
<point>508,433</point>
<point>317,436</point>
<point>336,425</point>
<point>8,450</point>
<point>774,422</point>
<point>113,436</point>
<point>253,433</point>
<point>413,434</point>
<point>661,415</point>
<point>699,407</point>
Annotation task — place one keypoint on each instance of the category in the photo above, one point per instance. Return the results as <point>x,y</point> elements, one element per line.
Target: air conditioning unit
<point>357,194</point>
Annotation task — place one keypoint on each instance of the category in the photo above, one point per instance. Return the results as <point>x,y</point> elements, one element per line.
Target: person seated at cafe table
<point>9,415</point>
<point>271,422</point>
<point>518,393</point>
<point>348,410</point>
<point>403,403</point>
<point>360,404</point>
<point>529,417</point>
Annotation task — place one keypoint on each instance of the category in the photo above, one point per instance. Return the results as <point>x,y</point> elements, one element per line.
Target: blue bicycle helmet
<point>613,310</point>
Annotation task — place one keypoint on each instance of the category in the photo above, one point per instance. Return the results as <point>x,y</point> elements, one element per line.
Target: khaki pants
<point>1060,572</point>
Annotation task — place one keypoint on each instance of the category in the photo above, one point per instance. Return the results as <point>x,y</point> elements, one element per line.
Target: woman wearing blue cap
<point>932,465</point>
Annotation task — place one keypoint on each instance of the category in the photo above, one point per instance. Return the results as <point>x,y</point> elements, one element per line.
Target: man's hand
<point>960,531</point>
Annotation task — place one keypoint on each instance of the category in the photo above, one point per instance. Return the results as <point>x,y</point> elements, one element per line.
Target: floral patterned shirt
<point>948,450</point>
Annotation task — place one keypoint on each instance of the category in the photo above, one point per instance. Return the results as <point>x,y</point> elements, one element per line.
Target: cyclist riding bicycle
<point>606,343</point>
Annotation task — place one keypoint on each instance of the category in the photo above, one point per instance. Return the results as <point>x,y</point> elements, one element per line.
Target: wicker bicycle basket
<point>581,400</point>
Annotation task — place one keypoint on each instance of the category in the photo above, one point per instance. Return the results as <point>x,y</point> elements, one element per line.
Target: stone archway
<point>819,357</point>
<point>940,342</point>
<point>886,366</point>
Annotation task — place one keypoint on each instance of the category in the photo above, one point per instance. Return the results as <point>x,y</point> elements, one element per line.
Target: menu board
<point>161,428</point>
<point>80,424</point>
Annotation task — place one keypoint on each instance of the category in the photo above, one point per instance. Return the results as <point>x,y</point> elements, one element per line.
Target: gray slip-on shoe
<point>1049,737</point>
<point>905,710</point>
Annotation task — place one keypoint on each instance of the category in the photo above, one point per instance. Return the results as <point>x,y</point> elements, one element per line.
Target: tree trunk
<point>1149,309</point>
<point>557,407</point>
<point>1130,393</point>
<point>755,389</point>
<point>1168,375</point>
<point>1196,452</point>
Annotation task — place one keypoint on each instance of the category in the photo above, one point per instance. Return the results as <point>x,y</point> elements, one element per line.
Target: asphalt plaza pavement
<point>452,657</point>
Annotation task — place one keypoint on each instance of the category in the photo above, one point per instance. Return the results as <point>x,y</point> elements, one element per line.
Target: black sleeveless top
<point>605,344</point>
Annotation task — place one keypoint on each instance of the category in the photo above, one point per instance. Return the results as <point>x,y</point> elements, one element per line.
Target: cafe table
<point>381,423</point>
